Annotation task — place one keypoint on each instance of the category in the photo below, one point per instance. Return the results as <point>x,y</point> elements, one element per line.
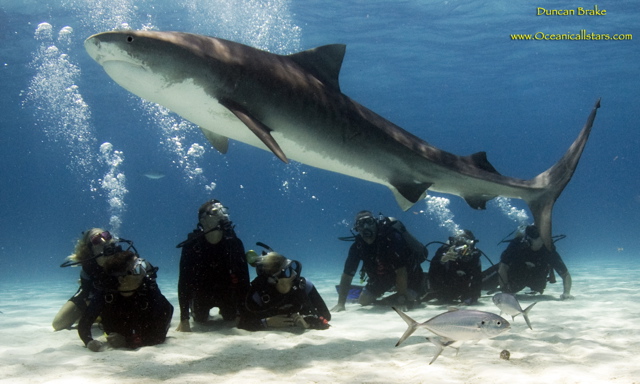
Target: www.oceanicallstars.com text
<point>582,35</point>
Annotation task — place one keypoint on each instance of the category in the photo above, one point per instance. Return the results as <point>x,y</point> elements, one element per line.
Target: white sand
<point>592,339</point>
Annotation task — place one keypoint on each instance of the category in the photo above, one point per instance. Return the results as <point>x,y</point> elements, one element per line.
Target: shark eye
<point>129,39</point>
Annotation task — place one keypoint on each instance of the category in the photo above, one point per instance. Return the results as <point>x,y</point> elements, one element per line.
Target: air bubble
<point>438,209</point>
<point>517,215</point>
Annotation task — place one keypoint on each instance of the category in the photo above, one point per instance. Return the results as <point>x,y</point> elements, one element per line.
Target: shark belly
<point>193,103</point>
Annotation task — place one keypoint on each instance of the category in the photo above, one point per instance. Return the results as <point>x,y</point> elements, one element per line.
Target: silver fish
<point>509,304</point>
<point>456,325</point>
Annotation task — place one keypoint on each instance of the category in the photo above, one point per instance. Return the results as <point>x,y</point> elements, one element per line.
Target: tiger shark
<point>292,105</point>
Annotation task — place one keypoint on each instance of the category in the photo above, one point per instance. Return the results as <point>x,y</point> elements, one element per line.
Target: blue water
<point>443,70</point>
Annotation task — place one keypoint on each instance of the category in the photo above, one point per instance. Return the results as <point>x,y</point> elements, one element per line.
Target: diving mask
<point>366,226</point>
<point>214,218</point>
<point>216,210</point>
<point>100,238</point>
<point>139,267</point>
<point>289,268</point>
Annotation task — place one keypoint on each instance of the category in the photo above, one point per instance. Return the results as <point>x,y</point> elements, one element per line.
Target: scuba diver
<point>390,257</point>
<point>280,297</point>
<point>527,262</point>
<point>133,311</point>
<point>455,272</point>
<point>213,268</point>
<point>91,251</point>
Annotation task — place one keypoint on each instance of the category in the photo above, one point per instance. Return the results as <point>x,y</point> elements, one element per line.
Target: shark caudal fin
<point>413,325</point>
<point>553,181</point>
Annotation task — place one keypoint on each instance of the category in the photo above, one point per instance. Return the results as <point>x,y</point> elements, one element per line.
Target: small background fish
<point>509,304</point>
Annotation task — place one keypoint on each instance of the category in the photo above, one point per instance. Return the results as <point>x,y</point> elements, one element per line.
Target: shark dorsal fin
<point>479,159</point>
<point>324,62</point>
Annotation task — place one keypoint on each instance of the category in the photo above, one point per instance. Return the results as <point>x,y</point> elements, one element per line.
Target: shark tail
<point>413,325</point>
<point>552,182</point>
<point>525,314</point>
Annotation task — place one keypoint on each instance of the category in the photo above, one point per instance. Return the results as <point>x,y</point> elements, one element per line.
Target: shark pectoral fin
<point>262,131</point>
<point>219,142</point>
<point>407,194</point>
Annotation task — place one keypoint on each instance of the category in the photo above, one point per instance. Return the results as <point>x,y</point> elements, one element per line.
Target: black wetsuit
<point>265,301</point>
<point>517,254</point>
<point>212,275</point>
<point>459,279</point>
<point>380,260</point>
<point>142,318</point>
<point>92,277</point>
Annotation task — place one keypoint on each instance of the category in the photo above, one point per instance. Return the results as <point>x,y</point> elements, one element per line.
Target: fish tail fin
<point>525,314</point>
<point>552,182</point>
<point>413,325</point>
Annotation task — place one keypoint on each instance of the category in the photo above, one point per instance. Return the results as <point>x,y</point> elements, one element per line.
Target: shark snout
<point>92,46</point>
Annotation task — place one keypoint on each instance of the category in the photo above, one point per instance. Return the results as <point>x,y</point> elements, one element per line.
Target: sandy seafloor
<point>594,338</point>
